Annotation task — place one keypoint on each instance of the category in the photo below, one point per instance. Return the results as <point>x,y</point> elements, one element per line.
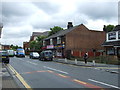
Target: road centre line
<point>104,83</point>
<point>55,70</point>
<point>32,63</point>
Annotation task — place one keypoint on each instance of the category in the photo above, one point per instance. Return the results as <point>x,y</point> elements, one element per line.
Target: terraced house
<point>75,41</point>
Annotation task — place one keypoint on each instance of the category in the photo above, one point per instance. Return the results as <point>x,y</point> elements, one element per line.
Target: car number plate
<point>3,57</point>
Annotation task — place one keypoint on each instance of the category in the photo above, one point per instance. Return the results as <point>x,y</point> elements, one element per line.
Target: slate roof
<point>113,43</point>
<point>117,28</point>
<point>63,32</point>
<point>40,33</point>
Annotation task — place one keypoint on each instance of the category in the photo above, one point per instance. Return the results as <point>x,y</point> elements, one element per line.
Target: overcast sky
<point>20,19</point>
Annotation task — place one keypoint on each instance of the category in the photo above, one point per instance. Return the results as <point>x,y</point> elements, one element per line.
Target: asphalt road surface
<point>50,74</point>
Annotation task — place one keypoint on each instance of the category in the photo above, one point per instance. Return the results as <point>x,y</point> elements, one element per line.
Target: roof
<point>114,43</point>
<point>63,32</point>
<point>40,33</point>
<point>117,28</point>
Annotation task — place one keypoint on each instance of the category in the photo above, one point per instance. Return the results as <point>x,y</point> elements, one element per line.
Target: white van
<point>11,53</point>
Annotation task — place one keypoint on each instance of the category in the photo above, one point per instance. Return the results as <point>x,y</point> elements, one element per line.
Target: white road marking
<point>32,63</point>
<point>104,83</point>
<point>55,69</point>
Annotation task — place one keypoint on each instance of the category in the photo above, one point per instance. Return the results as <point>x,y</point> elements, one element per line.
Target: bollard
<point>75,61</point>
<point>66,60</point>
<point>94,62</point>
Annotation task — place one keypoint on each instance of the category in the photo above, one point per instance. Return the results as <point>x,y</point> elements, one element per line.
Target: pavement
<point>8,81</point>
<point>107,67</point>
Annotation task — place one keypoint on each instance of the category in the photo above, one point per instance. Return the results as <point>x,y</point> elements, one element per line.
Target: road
<point>50,74</point>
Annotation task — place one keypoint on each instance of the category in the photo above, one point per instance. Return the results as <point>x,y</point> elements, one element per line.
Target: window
<point>51,42</point>
<point>43,43</point>
<point>58,40</point>
<point>111,35</point>
<point>110,51</point>
<point>118,34</point>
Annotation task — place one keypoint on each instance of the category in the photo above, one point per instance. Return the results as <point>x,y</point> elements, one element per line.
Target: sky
<point>21,18</point>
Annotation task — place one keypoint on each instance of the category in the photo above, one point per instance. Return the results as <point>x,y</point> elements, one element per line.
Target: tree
<point>108,28</point>
<point>36,45</point>
<point>54,30</point>
<point>14,47</point>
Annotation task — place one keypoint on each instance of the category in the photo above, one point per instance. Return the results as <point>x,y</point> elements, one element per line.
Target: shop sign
<point>59,46</point>
<point>43,47</point>
<point>112,35</point>
<point>50,46</point>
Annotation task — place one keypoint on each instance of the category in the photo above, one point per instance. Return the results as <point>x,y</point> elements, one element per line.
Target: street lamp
<point>1,26</point>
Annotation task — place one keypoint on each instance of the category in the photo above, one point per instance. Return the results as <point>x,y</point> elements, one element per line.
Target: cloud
<point>20,19</point>
<point>99,10</point>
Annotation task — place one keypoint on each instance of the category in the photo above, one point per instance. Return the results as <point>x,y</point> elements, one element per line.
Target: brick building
<point>34,36</point>
<point>75,41</point>
<point>5,47</point>
<point>26,47</point>
<point>112,43</point>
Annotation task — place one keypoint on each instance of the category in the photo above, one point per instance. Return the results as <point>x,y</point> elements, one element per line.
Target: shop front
<point>59,51</point>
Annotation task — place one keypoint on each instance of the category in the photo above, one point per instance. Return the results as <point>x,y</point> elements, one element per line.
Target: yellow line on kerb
<point>19,77</point>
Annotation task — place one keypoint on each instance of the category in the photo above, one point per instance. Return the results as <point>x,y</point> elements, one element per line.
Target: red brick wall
<point>83,39</point>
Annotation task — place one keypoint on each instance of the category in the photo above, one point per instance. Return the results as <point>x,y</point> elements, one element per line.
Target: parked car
<point>5,57</point>
<point>34,55</point>
<point>46,55</point>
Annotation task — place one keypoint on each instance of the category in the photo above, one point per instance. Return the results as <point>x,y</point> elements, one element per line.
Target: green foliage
<point>37,44</point>
<point>54,30</point>
<point>14,47</point>
<point>109,28</point>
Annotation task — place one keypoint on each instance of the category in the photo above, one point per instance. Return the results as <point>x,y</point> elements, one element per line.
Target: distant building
<point>26,47</point>
<point>34,36</point>
<point>5,47</point>
<point>75,41</point>
<point>112,43</point>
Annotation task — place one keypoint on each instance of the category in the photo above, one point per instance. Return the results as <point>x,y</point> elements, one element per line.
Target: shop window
<point>118,34</point>
<point>111,35</point>
<point>110,51</point>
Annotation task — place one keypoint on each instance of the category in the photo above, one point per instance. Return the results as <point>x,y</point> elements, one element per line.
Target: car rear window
<point>48,53</point>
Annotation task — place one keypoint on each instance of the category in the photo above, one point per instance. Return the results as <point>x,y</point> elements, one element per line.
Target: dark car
<point>5,57</point>
<point>46,55</point>
<point>34,55</point>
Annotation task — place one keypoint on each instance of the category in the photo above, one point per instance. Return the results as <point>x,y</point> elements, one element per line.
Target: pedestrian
<point>85,57</point>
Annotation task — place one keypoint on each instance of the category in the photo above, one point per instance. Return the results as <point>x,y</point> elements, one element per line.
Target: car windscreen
<point>3,53</point>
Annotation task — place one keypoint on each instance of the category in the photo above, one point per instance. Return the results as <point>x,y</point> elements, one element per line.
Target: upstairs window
<point>58,40</point>
<point>112,36</point>
<point>51,41</point>
<point>43,43</point>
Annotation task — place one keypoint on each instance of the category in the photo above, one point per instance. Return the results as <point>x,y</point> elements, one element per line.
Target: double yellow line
<point>19,77</point>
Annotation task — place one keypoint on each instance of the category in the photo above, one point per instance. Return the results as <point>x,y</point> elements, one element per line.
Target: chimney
<point>69,25</point>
